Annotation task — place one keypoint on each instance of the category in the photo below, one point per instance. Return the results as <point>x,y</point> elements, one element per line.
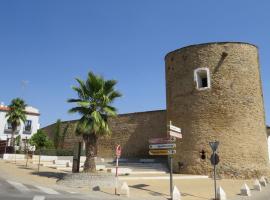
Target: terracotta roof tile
<point>6,109</point>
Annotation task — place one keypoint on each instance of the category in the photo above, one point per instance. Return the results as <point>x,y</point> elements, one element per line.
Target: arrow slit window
<point>202,78</point>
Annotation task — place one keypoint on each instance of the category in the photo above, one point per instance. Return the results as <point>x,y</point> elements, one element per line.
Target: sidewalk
<point>141,187</point>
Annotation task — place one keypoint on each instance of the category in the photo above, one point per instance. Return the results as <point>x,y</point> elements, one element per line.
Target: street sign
<point>118,151</point>
<point>214,159</point>
<point>161,152</point>
<point>174,128</point>
<point>162,146</point>
<point>214,145</point>
<point>175,134</point>
<point>161,140</point>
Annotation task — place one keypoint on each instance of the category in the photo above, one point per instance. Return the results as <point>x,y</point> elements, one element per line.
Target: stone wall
<point>230,111</point>
<point>131,131</point>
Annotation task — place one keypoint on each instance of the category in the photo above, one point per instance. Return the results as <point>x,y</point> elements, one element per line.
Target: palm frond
<point>95,96</point>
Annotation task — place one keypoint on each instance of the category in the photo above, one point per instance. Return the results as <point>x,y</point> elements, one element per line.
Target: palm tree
<point>94,104</point>
<point>15,116</point>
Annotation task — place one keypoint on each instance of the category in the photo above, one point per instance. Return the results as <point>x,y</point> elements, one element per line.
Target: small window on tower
<point>202,78</point>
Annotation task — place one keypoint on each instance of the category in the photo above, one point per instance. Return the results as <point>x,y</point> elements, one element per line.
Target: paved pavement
<point>16,190</point>
<point>13,190</point>
<point>255,195</point>
<point>18,182</point>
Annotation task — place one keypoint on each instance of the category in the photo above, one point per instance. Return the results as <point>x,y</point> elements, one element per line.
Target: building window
<point>28,125</point>
<point>9,127</point>
<point>202,78</point>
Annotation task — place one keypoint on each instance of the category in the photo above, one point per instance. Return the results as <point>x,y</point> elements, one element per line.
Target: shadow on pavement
<point>141,187</point>
<point>153,193</point>
<point>57,175</point>
<point>191,195</point>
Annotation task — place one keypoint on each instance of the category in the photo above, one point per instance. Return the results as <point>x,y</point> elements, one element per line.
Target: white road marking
<point>39,198</point>
<point>47,190</point>
<point>71,192</point>
<point>18,186</point>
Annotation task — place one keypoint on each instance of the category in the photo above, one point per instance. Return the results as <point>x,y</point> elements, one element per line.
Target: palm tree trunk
<point>90,152</point>
<point>12,143</point>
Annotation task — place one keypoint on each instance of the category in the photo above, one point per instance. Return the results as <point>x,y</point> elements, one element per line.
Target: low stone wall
<point>131,131</point>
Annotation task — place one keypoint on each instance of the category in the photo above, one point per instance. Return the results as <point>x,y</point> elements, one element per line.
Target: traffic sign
<point>214,145</point>
<point>161,152</point>
<point>162,146</point>
<point>214,159</point>
<point>161,140</point>
<point>175,134</point>
<point>118,151</point>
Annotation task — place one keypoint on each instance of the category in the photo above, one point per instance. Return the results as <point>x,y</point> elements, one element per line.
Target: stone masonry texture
<point>231,111</point>
<point>131,131</point>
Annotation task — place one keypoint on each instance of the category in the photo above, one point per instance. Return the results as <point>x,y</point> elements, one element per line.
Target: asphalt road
<point>12,190</point>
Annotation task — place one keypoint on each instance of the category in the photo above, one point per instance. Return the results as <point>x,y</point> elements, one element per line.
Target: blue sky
<point>49,43</point>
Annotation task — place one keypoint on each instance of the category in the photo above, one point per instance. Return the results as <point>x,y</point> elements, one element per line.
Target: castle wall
<point>131,131</point>
<point>268,140</point>
<point>230,111</point>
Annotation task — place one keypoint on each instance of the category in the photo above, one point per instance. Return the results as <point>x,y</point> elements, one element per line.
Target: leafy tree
<point>16,115</point>
<point>94,104</point>
<point>40,141</point>
<point>59,135</point>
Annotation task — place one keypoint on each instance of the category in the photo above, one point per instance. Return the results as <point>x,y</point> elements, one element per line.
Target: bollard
<point>257,185</point>
<point>176,195</point>
<point>124,189</point>
<point>221,195</point>
<point>245,191</point>
<point>263,181</point>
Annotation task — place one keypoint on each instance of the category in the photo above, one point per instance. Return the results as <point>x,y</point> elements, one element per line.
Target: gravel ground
<point>88,180</point>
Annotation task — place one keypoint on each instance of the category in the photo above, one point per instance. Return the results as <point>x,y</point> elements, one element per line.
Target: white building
<point>26,130</point>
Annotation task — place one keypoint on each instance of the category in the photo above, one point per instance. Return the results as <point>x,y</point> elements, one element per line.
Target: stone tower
<point>214,93</point>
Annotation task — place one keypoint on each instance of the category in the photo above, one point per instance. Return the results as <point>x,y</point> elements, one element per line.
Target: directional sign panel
<point>161,152</point>
<point>162,146</point>
<point>161,140</point>
<point>175,134</point>
<point>174,128</point>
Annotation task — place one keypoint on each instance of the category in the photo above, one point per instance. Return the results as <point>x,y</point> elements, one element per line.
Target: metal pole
<point>116,176</point>
<point>171,177</point>
<point>215,180</point>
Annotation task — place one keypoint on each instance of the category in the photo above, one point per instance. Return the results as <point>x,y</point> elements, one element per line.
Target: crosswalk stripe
<point>39,198</point>
<point>18,186</point>
<point>47,190</point>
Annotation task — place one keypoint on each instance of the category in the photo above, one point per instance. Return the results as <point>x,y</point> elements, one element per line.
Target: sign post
<point>118,154</point>
<point>214,161</point>
<point>166,147</point>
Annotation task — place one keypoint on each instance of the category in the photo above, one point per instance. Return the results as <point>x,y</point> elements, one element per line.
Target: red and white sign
<point>118,151</point>
<point>175,134</point>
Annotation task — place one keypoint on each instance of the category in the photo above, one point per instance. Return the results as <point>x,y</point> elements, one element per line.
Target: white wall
<point>2,125</point>
<point>33,117</point>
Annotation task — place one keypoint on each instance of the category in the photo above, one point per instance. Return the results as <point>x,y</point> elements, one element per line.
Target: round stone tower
<point>214,93</point>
